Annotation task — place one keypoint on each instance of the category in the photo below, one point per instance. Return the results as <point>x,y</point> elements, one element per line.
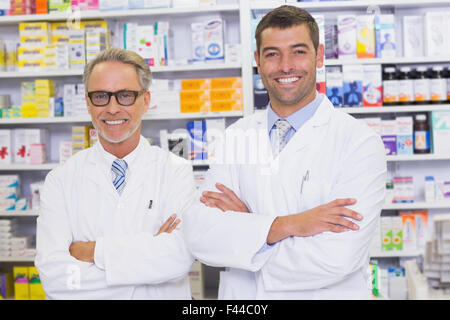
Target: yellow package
<point>34,28</point>
<point>30,53</point>
<point>226,105</point>
<point>35,41</point>
<point>194,95</point>
<point>59,38</point>
<point>59,28</point>
<point>35,285</point>
<point>226,94</point>
<point>226,83</point>
<point>21,288</point>
<point>196,84</point>
<point>195,106</point>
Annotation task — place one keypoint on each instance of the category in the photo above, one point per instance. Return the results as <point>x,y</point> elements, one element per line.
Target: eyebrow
<point>298,45</point>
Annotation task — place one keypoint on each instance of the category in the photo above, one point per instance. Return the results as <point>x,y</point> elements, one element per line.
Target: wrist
<point>279,230</point>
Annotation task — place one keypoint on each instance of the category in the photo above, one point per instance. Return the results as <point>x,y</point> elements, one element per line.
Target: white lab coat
<point>79,203</point>
<point>333,156</point>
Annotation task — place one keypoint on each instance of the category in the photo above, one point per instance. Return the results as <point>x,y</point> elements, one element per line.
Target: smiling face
<point>118,126</point>
<point>287,63</point>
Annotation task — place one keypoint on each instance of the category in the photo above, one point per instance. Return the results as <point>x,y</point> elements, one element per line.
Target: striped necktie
<point>119,168</point>
<point>281,129</point>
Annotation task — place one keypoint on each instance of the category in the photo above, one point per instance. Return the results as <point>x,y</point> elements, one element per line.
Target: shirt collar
<point>298,118</point>
<point>129,158</point>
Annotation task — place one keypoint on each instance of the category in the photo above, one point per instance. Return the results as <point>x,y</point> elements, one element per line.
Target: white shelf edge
<point>361,4</point>
<point>418,157</point>
<point>395,60</point>
<point>393,109</point>
<point>99,14</point>
<point>28,167</point>
<point>17,259</point>
<point>146,117</point>
<point>19,213</point>
<point>395,253</point>
<point>154,69</point>
<point>416,205</point>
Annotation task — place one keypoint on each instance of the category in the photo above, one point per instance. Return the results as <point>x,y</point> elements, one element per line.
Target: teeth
<point>287,80</point>
<point>114,122</point>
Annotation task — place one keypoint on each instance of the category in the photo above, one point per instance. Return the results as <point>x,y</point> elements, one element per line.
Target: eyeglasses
<point>123,97</point>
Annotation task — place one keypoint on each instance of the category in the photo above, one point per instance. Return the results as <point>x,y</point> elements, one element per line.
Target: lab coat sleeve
<point>226,239</point>
<point>146,258</point>
<point>302,263</point>
<point>62,276</point>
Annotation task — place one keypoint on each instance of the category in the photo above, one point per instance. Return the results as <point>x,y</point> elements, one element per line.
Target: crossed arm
<point>328,217</point>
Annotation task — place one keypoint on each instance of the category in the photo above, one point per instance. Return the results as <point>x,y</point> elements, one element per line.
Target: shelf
<point>396,253</point>
<point>17,259</point>
<point>79,72</point>
<point>146,117</point>
<point>117,14</point>
<point>365,4</point>
<point>416,205</point>
<point>19,213</point>
<point>410,108</point>
<point>418,157</point>
<point>28,167</point>
<point>395,60</point>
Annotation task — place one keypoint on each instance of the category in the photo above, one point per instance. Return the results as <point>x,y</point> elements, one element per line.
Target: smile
<point>287,80</point>
<point>114,122</point>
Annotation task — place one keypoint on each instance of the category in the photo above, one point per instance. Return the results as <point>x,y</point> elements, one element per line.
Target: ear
<point>320,56</point>
<point>256,55</point>
<point>89,107</point>
<point>147,97</point>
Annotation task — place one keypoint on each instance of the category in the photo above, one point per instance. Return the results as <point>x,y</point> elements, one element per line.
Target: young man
<point>295,209</point>
<point>107,228</point>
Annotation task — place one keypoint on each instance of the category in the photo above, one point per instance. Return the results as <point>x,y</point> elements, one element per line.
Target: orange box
<point>226,94</point>
<point>194,95</point>
<point>196,84</point>
<point>226,105</point>
<point>41,7</point>
<point>226,83</point>
<point>195,106</point>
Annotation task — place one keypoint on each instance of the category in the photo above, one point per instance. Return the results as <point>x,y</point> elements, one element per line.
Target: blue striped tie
<point>119,168</point>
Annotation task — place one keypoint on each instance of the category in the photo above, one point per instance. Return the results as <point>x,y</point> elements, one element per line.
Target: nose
<point>113,106</point>
<point>286,63</point>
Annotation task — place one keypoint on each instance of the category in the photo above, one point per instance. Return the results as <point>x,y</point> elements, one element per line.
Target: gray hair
<point>124,56</point>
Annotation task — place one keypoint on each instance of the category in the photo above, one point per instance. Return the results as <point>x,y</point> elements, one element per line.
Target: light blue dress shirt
<point>296,120</point>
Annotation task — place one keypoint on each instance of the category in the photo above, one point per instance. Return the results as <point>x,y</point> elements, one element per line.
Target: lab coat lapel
<point>97,174</point>
<point>310,131</point>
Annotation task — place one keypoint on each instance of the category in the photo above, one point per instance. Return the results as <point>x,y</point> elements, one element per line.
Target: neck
<point>285,110</point>
<point>121,149</point>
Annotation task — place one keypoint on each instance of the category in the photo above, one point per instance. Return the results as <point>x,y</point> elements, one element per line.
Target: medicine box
<point>365,36</point>
<point>346,36</point>
<point>372,86</point>
<point>413,36</point>
<point>436,36</point>
<point>35,285</point>
<point>197,140</point>
<point>441,131</point>
<point>389,136</point>
<point>386,233</point>
<point>409,230</point>
<point>397,233</point>
<point>353,85</point>
<point>21,288</point>
<point>5,146</point>
<point>405,135</point>
<point>386,43</point>
<point>335,88</point>
<point>213,39</point>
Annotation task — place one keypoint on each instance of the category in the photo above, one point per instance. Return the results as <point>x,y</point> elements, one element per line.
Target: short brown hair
<point>285,17</point>
<point>124,56</point>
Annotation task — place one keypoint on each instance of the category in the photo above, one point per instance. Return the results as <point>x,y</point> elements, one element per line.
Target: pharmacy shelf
<point>79,72</point>
<point>18,213</point>
<point>395,60</point>
<point>417,205</point>
<point>418,157</point>
<point>409,108</point>
<point>117,14</point>
<point>368,5</point>
<point>28,167</point>
<point>17,259</point>
<point>87,117</point>
<point>396,253</point>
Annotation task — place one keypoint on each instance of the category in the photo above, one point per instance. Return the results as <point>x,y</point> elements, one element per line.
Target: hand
<point>83,251</point>
<point>169,225</point>
<point>226,200</point>
<point>328,217</point>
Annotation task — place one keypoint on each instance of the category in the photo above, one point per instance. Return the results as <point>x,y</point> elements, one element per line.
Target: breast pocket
<point>313,194</point>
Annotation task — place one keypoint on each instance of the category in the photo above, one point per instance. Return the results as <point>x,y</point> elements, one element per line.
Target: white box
<point>146,47</point>
<point>197,42</point>
<point>436,28</point>
<point>5,146</point>
<point>413,36</point>
<point>213,37</point>
<point>387,42</point>
<point>9,180</point>
<point>441,132</point>
<point>347,36</point>
<point>374,123</point>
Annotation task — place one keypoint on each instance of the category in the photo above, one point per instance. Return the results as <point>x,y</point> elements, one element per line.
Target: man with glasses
<point>109,223</point>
